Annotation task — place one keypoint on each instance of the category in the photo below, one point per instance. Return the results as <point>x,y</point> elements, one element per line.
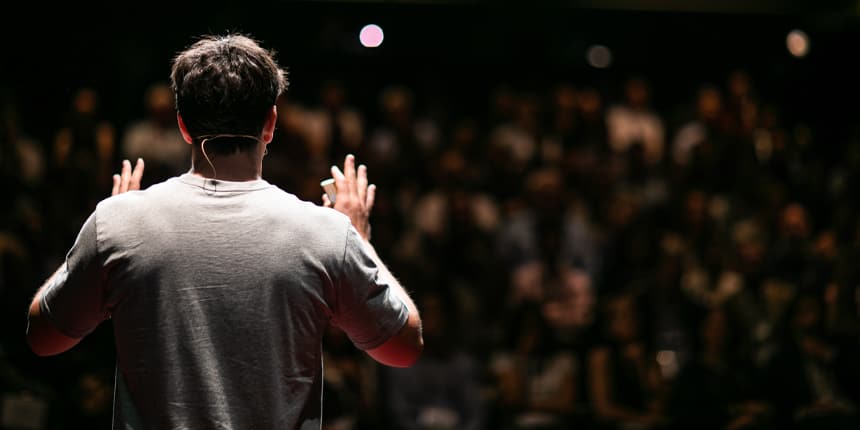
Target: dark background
<point>453,54</point>
<point>465,47</point>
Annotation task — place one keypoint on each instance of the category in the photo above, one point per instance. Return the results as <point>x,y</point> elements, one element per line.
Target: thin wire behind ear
<point>208,160</point>
<point>211,166</point>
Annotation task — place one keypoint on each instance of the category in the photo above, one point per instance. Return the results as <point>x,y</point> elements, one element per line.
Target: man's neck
<point>238,167</point>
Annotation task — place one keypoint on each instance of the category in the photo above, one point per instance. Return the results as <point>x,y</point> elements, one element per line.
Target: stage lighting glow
<point>599,56</point>
<point>371,36</point>
<point>668,361</point>
<point>798,43</point>
<point>666,358</point>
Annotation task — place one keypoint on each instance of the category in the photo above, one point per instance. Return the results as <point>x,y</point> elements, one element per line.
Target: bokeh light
<point>599,56</point>
<point>371,36</point>
<point>797,43</point>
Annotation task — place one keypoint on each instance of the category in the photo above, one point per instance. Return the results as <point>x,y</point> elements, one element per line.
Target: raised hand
<point>354,196</point>
<point>128,180</point>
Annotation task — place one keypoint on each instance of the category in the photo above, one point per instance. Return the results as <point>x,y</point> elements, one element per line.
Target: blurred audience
<point>156,138</point>
<point>718,388</point>
<point>633,122</point>
<point>626,388</point>
<point>442,391</point>
<point>583,261</point>
<point>536,379</point>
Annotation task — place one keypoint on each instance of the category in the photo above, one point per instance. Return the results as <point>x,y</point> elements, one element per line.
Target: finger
<point>349,172</point>
<point>125,176</point>
<point>326,201</point>
<point>115,190</point>
<point>136,175</point>
<point>337,174</point>
<point>361,182</point>
<point>339,178</point>
<point>371,198</point>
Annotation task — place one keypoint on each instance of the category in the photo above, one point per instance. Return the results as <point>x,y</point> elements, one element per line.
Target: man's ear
<point>184,130</point>
<point>269,125</point>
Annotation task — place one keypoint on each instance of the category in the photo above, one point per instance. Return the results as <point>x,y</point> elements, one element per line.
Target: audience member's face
<point>503,102</point>
<point>709,104</point>
<point>696,207</point>
<point>465,135</point>
<point>531,333</point>
<point>622,320</point>
<point>825,245</point>
<point>794,221</point>
<point>573,308</point>
<point>432,317</point>
<point>637,93</point>
<point>565,98</point>
<point>95,394</point>
<point>739,84</point>
<point>751,252</point>
<point>807,314</point>
<point>527,114</point>
<point>85,101</point>
<point>333,96</point>
<point>622,210</point>
<point>160,105</point>
<point>590,103</point>
<point>461,208</point>
<point>452,164</point>
<point>715,330</point>
<point>290,117</point>
<point>749,114</point>
<point>581,296</point>
<point>668,272</point>
<point>545,190</point>
<point>397,105</point>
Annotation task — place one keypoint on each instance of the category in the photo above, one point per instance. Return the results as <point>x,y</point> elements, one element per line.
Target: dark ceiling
<point>121,47</point>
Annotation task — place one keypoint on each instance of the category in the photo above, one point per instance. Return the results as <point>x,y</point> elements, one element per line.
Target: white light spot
<point>666,358</point>
<point>371,36</point>
<point>798,43</point>
<point>668,361</point>
<point>599,56</point>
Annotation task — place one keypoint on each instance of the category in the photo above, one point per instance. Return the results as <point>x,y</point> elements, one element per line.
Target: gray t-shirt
<point>220,293</point>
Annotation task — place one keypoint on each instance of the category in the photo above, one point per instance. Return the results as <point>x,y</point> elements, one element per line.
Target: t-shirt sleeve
<point>74,301</point>
<point>365,307</point>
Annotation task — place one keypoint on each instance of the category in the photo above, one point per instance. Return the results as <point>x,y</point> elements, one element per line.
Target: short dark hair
<point>226,85</point>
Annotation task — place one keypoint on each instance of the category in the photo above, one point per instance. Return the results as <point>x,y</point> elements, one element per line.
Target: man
<point>220,285</point>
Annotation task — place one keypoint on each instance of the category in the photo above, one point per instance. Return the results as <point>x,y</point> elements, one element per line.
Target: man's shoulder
<point>119,201</point>
<point>317,229</point>
<point>319,217</point>
<point>139,200</point>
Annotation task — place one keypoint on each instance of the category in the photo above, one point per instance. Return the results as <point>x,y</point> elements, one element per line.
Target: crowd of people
<point>580,260</point>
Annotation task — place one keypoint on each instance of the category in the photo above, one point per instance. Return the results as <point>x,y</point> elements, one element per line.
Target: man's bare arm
<point>42,336</point>
<point>404,348</point>
<point>355,198</point>
<point>45,339</point>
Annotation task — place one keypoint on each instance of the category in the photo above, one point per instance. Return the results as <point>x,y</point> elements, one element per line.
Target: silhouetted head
<point>226,85</point>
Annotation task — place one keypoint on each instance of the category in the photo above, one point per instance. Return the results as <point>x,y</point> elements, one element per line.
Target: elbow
<point>403,350</point>
<point>49,347</point>
<point>409,352</point>
<point>40,352</point>
<point>405,360</point>
<point>36,338</point>
<point>412,342</point>
<point>39,348</point>
<point>413,353</point>
<point>45,340</point>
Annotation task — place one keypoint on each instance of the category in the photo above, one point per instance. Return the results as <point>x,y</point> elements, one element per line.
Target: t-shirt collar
<point>219,185</point>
